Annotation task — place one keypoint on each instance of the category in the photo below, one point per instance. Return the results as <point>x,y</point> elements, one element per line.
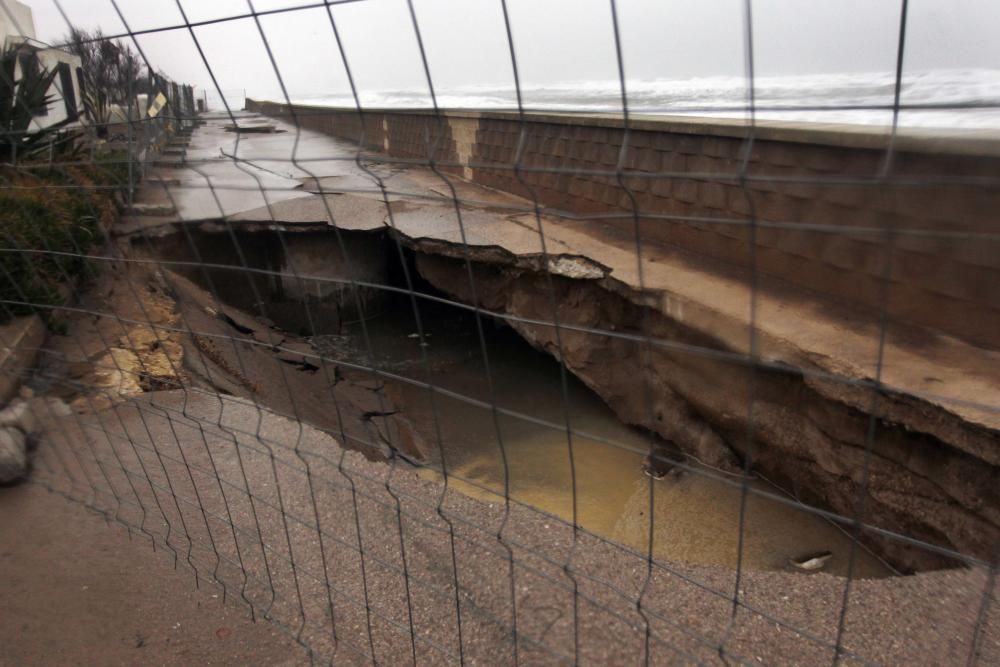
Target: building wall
<point>17,26</point>
<point>807,205</point>
<point>50,59</point>
<point>16,19</point>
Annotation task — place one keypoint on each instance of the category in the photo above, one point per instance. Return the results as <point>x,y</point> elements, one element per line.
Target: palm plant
<point>20,101</point>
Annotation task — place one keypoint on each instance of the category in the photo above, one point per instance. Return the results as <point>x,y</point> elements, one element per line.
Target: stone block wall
<point>813,206</point>
<point>411,137</point>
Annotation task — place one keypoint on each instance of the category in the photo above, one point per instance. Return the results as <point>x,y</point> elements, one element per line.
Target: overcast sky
<point>556,41</point>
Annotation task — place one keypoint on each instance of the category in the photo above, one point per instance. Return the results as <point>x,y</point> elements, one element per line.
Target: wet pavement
<point>77,591</point>
<point>269,508</point>
<point>248,181</point>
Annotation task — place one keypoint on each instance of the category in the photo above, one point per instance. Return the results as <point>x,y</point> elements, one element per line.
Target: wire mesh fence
<point>515,386</point>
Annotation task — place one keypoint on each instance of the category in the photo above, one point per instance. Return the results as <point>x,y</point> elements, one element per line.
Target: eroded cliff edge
<point>931,475</point>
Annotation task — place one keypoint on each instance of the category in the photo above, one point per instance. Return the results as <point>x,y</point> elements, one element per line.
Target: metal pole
<point>131,147</point>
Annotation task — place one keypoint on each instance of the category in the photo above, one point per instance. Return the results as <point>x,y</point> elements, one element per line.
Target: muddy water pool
<point>696,518</point>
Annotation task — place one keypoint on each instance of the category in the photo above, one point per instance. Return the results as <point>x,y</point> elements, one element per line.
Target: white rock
<point>29,416</point>
<point>812,562</point>
<point>580,268</point>
<point>13,455</point>
<point>19,414</point>
<point>56,407</point>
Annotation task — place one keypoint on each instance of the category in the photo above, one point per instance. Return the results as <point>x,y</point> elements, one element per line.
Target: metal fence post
<point>130,146</point>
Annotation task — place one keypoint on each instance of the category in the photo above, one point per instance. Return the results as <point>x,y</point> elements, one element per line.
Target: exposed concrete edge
<point>21,339</point>
<point>941,418</point>
<point>218,225</point>
<point>577,267</point>
<point>567,265</point>
<point>938,418</point>
<point>979,143</point>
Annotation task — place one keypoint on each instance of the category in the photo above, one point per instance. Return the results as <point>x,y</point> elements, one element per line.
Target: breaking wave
<point>939,98</point>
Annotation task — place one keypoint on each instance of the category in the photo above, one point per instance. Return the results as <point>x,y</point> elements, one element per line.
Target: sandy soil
<point>77,591</point>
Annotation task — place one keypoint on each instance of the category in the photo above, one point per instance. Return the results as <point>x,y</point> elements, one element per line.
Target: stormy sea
<point>947,99</point>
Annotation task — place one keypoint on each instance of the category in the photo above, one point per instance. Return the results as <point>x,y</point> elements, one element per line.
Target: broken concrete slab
<point>297,352</point>
<point>154,210</point>
<point>252,128</point>
<point>824,339</point>
<point>400,437</point>
<point>703,326</point>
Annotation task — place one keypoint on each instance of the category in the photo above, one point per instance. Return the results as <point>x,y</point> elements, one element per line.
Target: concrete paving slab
<point>576,597</point>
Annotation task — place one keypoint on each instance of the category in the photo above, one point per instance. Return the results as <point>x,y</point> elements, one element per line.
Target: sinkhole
<point>495,415</point>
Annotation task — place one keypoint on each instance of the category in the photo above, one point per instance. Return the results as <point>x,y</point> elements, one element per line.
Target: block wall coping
<point>981,143</point>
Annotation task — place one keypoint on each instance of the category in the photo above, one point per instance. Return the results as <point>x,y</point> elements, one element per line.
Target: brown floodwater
<point>696,519</point>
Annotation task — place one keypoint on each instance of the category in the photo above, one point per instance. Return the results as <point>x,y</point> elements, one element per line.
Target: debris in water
<point>657,467</point>
<point>811,562</point>
<point>653,472</point>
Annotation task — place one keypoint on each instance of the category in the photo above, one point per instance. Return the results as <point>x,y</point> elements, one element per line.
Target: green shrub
<point>32,233</point>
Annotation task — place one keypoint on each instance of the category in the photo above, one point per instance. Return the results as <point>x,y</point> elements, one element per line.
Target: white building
<point>17,26</point>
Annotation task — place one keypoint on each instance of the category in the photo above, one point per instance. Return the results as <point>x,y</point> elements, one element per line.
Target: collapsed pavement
<point>661,338</point>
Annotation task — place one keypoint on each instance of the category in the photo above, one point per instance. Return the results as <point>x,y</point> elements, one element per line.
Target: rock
<point>811,562</point>
<point>297,353</point>
<point>13,455</point>
<point>94,403</point>
<point>56,406</point>
<point>400,437</point>
<point>269,337</point>
<point>300,355</point>
<point>20,415</point>
<point>662,463</point>
<point>28,417</point>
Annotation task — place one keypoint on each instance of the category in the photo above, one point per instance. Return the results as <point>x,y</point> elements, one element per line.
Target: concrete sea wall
<point>831,216</point>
